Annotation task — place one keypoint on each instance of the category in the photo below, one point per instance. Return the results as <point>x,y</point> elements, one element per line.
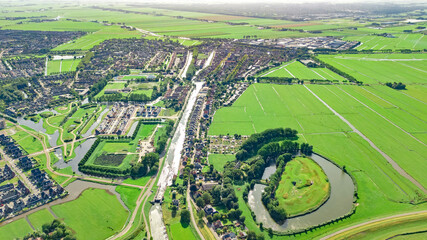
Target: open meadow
<point>381,68</point>
<point>380,187</point>
<point>296,69</point>
<point>61,66</point>
<point>95,208</point>
<point>398,42</point>
<point>303,187</point>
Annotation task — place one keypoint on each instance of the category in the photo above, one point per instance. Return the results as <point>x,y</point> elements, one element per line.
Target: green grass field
<point>61,25</point>
<point>381,190</point>
<point>264,106</point>
<point>91,39</point>
<point>94,209</point>
<point>311,188</point>
<point>219,160</point>
<point>29,143</point>
<point>401,41</point>
<point>381,68</point>
<point>298,70</point>
<point>60,66</point>
<point>39,218</point>
<point>137,88</point>
<point>15,229</point>
<point>389,229</point>
<point>111,147</point>
<point>129,195</point>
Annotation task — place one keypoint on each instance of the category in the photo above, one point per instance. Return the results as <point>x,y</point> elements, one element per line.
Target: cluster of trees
<point>268,197</point>
<point>11,89</point>
<point>161,142</point>
<point>251,146</point>
<point>274,149</point>
<point>306,149</point>
<point>148,164</point>
<point>52,231</point>
<point>395,85</point>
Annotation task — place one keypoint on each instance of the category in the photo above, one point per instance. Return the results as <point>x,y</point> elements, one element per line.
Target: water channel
<point>80,151</point>
<point>171,166</point>
<point>339,203</point>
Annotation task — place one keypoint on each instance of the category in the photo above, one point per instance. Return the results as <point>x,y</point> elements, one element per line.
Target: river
<point>171,166</point>
<point>339,203</point>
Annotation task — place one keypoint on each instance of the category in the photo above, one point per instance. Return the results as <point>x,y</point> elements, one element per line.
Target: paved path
<point>388,158</point>
<point>371,222</point>
<point>193,219</point>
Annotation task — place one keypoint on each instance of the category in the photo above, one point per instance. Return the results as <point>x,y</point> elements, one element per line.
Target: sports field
<point>400,41</point>
<point>303,187</point>
<point>60,66</point>
<point>94,209</point>
<point>296,69</point>
<point>381,68</point>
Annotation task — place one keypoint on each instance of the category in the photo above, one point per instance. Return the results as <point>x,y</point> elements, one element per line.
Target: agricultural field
<point>60,66</point>
<point>395,228</point>
<point>264,106</point>
<point>400,41</point>
<point>303,187</point>
<point>381,68</point>
<point>60,25</point>
<point>91,39</point>
<point>98,208</point>
<point>380,186</point>
<point>296,69</point>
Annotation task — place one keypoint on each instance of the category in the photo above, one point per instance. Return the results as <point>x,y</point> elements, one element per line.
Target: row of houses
<point>10,147</point>
<point>117,119</point>
<point>149,111</point>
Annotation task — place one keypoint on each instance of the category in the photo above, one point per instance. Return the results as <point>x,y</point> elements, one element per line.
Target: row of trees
<point>277,212</point>
<point>251,146</point>
<point>395,85</point>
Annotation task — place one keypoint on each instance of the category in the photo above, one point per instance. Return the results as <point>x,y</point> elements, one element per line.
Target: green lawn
<point>39,218</point>
<point>15,229</point>
<point>381,68</point>
<point>303,187</point>
<point>219,160</point>
<point>61,66</point>
<point>94,209</point>
<point>129,195</point>
<point>29,143</point>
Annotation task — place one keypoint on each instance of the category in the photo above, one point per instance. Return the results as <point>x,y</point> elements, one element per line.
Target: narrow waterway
<point>171,166</point>
<point>339,203</point>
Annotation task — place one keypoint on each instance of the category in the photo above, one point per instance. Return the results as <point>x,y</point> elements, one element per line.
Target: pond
<point>339,203</point>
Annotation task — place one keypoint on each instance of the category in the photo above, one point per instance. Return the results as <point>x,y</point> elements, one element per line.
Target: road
<point>335,234</point>
<point>190,208</point>
<point>388,158</point>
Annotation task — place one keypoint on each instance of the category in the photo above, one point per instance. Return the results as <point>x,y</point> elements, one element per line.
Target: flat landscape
<point>258,120</point>
<point>381,68</point>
